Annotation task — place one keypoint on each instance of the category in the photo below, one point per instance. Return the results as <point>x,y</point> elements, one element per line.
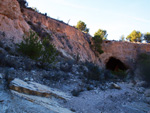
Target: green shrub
<point>49,53</point>
<point>97,40</point>
<point>101,33</point>
<point>147,37</point>
<point>42,51</point>
<point>31,46</point>
<point>82,26</point>
<point>134,36</point>
<point>96,46</point>
<point>144,66</point>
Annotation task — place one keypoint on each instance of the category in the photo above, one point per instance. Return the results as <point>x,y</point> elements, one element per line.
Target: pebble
<point>11,69</point>
<point>31,79</point>
<point>26,79</point>
<point>33,71</point>
<point>115,86</point>
<point>1,76</point>
<point>20,68</point>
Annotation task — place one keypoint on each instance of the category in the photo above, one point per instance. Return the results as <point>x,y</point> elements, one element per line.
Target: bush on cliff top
<point>96,46</point>
<point>98,38</point>
<point>101,33</point>
<point>147,37</point>
<point>82,27</point>
<point>134,36</point>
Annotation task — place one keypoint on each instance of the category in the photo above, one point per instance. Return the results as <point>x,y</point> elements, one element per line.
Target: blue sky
<point>117,17</point>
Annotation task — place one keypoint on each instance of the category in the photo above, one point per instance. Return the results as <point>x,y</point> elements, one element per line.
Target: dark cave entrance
<point>114,64</point>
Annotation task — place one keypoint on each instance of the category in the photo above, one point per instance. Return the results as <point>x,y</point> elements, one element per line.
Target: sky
<point>117,17</point>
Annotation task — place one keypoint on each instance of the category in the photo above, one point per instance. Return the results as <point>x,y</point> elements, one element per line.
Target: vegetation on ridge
<point>135,36</point>
<point>82,26</point>
<point>147,37</point>
<point>101,33</point>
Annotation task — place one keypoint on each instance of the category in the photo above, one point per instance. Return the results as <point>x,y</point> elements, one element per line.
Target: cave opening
<point>114,64</point>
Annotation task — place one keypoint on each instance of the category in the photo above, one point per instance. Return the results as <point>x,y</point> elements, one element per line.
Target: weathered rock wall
<point>126,52</point>
<point>12,23</point>
<point>67,39</point>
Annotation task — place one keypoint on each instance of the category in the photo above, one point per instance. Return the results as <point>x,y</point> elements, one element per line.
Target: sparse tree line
<point>136,36</point>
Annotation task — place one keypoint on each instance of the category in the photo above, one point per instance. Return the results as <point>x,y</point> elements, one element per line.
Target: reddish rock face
<point>11,20</point>
<point>126,52</point>
<point>67,39</point>
<point>10,9</point>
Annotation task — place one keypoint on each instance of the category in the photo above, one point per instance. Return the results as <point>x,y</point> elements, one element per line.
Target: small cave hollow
<point>114,64</point>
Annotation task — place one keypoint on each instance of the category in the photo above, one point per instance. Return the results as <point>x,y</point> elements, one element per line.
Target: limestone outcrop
<point>40,94</point>
<point>33,88</point>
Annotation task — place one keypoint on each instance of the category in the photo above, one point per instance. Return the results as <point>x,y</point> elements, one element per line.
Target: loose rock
<point>147,93</point>
<point>115,86</point>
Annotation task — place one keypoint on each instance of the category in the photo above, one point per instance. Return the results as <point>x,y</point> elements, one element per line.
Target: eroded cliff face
<point>72,43</point>
<point>126,52</point>
<point>12,24</point>
<point>67,39</point>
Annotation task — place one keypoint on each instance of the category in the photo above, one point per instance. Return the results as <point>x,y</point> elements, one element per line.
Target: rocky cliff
<point>67,39</point>
<point>71,42</point>
<point>67,86</point>
<point>16,22</point>
<point>126,52</point>
<point>12,23</point>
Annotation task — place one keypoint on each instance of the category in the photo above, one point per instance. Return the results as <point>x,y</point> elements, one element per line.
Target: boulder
<point>115,86</point>
<point>42,95</point>
<point>33,88</point>
<point>51,104</point>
